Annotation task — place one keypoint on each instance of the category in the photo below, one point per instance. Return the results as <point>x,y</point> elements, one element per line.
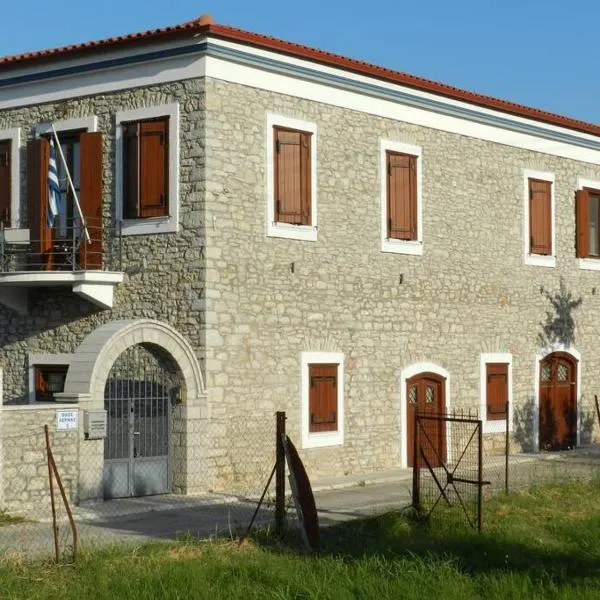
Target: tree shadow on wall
<point>524,425</point>
<point>559,326</point>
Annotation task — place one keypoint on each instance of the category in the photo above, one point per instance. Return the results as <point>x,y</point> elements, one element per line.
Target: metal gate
<point>448,477</point>
<point>138,399</point>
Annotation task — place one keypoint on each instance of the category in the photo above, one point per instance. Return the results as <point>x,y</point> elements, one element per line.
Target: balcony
<point>65,258</point>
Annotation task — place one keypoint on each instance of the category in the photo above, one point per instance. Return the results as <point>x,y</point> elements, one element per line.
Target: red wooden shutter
<point>90,198</point>
<point>38,158</point>
<point>582,224</point>
<point>322,397</point>
<point>130,170</point>
<point>5,187</point>
<point>496,391</point>
<point>154,168</point>
<point>540,217</point>
<point>402,196</point>
<point>292,177</point>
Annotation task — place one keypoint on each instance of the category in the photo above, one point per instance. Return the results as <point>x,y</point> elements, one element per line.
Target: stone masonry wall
<point>24,487</point>
<point>469,293</point>
<point>164,272</point>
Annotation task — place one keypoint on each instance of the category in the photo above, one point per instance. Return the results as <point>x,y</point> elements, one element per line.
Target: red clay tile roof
<point>205,24</point>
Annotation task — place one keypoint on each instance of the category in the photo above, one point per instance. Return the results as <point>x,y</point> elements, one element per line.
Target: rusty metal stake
<point>51,483</point>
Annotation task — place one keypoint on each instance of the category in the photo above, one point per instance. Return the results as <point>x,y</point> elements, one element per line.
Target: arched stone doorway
<point>558,401</point>
<point>98,361</point>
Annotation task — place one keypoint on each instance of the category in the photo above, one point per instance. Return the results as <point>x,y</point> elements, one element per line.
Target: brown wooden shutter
<point>540,217</point>
<point>154,168</point>
<point>5,182</point>
<point>496,391</point>
<point>131,172</point>
<point>582,224</point>
<point>323,397</point>
<point>90,198</point>
<point>38,158</point>
<point>402,196</point>
<point>292,177</point>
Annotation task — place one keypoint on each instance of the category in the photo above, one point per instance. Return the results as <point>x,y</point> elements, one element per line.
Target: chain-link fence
<point>45,481</point>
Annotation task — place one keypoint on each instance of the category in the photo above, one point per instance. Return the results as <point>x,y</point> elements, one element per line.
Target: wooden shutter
<point>130,170</point>
<point>5,187</point>
<point>322,397</point>
<point>38,158</point>
<point>496,391</point>
<point>154,168</point>
<point>90,198</point>
<point>582,224</point>
<point>540,217</point>
<point>292,177</point>
<point>402,196</point>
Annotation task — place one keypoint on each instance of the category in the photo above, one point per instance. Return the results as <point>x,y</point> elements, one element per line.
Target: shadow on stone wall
<point>559,326</point>
<point>587,420</point>
<point>523,425</point>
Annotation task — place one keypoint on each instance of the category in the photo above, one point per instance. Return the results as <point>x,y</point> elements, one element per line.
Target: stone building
<point>269,227</point>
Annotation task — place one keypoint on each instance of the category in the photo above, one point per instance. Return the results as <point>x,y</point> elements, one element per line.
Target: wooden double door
<point>425,394</point>
<point>558,402</point>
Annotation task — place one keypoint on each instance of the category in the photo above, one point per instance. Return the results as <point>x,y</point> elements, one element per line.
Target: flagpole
<point>64,162</point>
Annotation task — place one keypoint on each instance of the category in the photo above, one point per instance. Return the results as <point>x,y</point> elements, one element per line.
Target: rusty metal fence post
<point>506,447</point>
<point>280,473</point>
<point>416,473</point>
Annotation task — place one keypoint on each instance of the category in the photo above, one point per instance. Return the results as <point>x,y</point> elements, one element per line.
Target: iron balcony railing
<point>65,248</point>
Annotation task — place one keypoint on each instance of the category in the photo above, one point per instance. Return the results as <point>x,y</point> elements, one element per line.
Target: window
<point>587,224</point>
<point>147,169</point>
<point>291,178</point>
<point>496,391</point>
<point>9,177</point>
<point>81,148</point>
<point>539,219</point>
<point>5,181</point>
<point>322,399</point>
<point>49,380</point>
<point>401,213</point>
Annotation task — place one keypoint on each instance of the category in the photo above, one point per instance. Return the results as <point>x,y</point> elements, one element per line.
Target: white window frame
<point>588,264</point>
<point>538,260</point>
<point>13,135</point>
<point>89,123</point>
<point>150,225</point>
<point>414,247</point>
<point>495,426</point>
<point>306,233</point>
<point>321,439</point>
<point>43,360</point>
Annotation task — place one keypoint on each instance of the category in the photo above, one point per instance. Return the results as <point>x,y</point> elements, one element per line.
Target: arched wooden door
<point>558,402</point>
<point>425,393</point>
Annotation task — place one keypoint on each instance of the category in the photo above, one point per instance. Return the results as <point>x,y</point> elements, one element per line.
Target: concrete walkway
<point>138,520</point>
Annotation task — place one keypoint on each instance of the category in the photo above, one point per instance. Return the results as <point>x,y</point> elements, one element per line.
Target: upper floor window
<point>9,177</point>
<point>58,235</point>
<point>539,221</point>
<point>587,211</point>
<point>5,181</point>
<point>291,172</point>
<point>147,169</point>
<point>401,212</point>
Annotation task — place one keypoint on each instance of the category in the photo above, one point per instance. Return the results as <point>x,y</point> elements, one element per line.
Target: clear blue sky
<point>542,53</point>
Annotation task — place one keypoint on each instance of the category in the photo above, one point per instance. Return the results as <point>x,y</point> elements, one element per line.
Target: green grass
<point>540,544</point>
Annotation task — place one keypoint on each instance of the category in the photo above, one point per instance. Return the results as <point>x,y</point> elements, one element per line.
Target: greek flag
<point>53,188</point>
